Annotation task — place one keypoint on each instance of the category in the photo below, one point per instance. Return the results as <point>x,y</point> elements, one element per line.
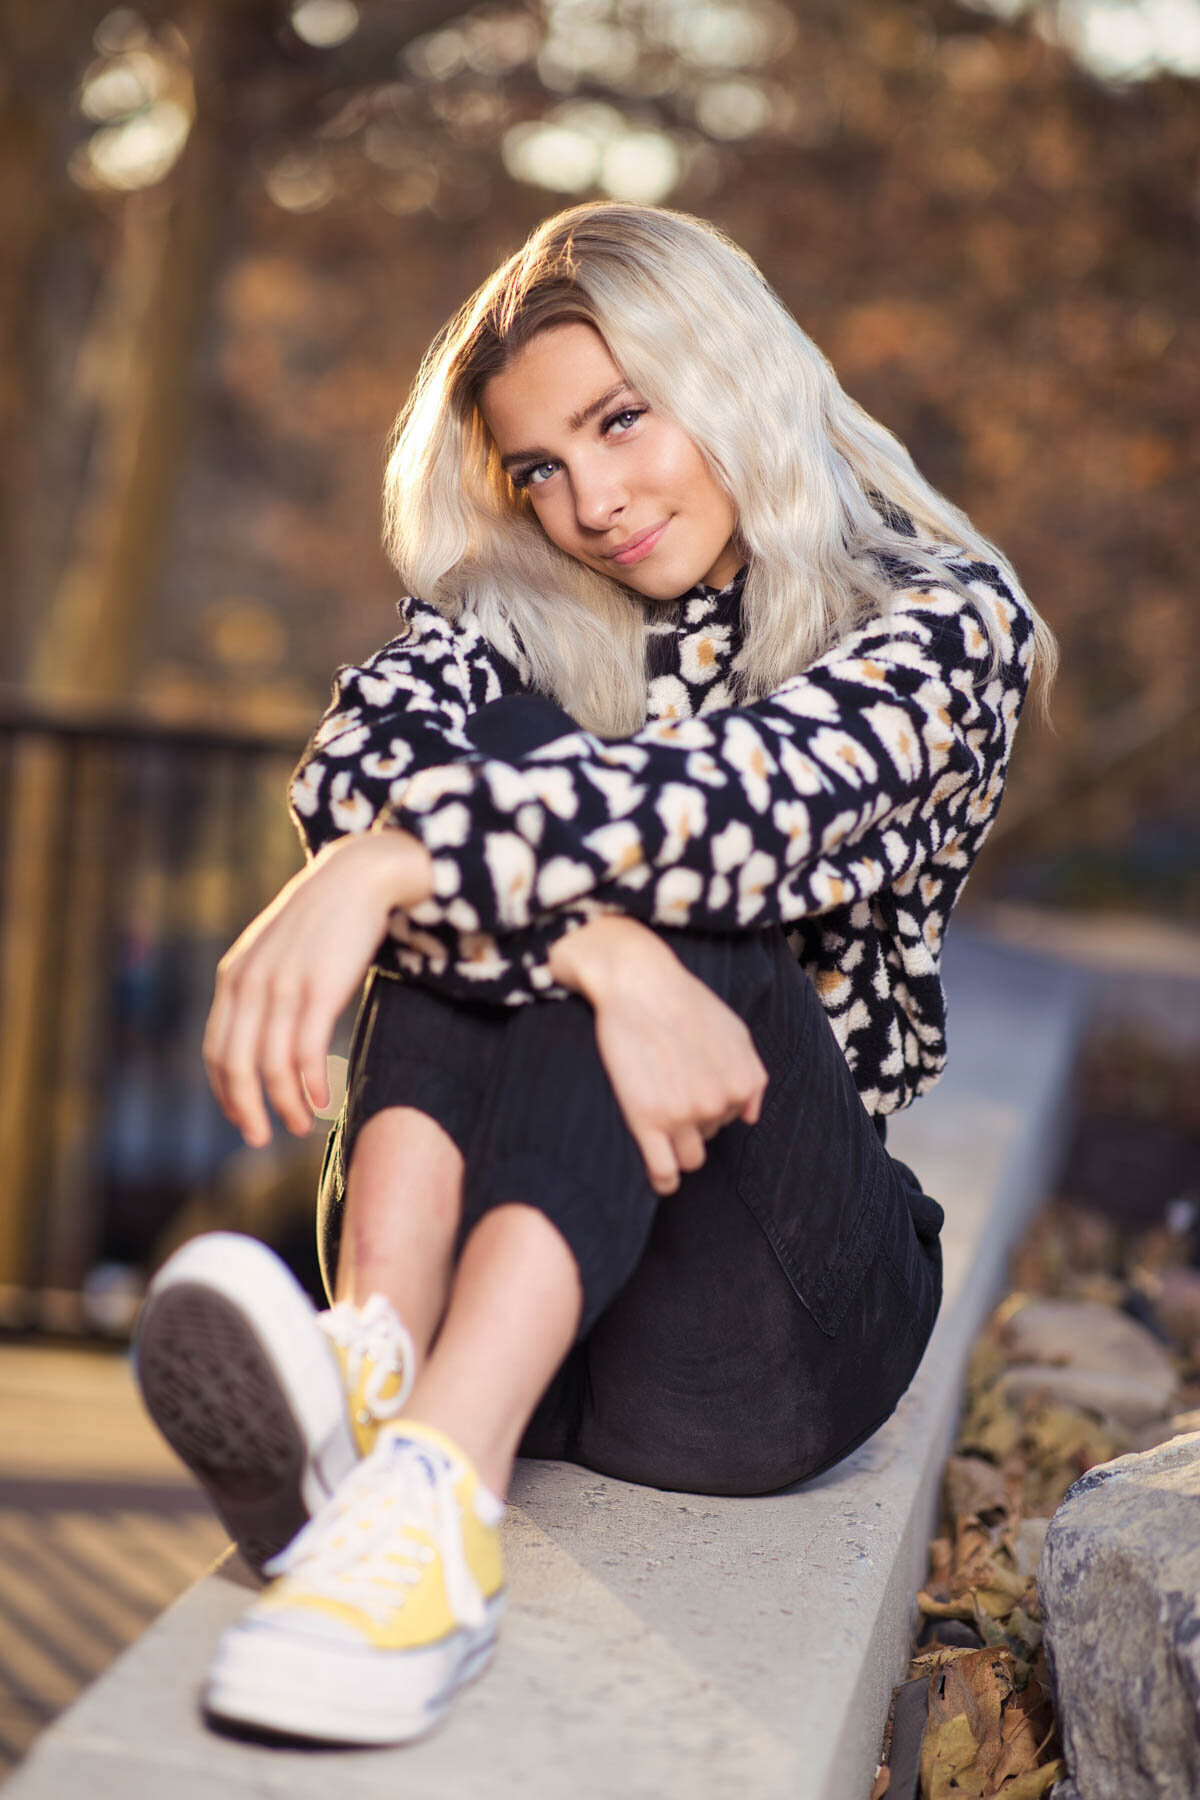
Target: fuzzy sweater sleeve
<point>405,709</point>
<point>851,775</point>
<point>408,708</point>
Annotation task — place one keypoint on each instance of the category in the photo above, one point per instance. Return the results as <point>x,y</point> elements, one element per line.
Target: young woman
<point>648,827</point>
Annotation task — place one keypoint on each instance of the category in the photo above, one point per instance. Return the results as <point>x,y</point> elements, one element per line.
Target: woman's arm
<point>282,986</point>
<point>850,776</point>
<point>682,1064</point>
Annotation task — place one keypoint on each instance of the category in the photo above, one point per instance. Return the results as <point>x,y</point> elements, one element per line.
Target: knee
<point>403,1142</point>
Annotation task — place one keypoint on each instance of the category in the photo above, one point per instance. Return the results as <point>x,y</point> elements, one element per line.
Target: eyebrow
<point>576,422</point>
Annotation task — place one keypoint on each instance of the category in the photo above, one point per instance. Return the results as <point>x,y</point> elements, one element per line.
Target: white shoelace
<point>362,1549</point>
<point>373,1331</point>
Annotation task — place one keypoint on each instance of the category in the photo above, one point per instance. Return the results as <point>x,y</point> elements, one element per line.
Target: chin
<point>663,584</point>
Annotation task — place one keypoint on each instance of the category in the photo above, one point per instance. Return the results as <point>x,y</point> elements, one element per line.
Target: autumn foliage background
<point>996,248</point>
<point>230,229</point>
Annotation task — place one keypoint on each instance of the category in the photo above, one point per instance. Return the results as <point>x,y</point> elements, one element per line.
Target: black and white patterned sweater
<point>848,805</point>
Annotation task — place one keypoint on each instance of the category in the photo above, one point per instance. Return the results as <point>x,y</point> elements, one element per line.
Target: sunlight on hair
<point>325,23</point>
<point>819,486</point>
<point>732,109</point>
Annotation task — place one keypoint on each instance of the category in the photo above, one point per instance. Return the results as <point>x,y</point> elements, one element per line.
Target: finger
<point>710,1127</point>
<point>689,1148</point>
<point>752,1111</point>
<point>313,1038</point>
<point>658,1154</point>
<point>279,1060</point>
<point>240,1062</point>
<point>212,1047</point>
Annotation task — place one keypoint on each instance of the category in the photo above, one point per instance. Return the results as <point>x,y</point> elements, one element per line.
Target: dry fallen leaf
<point>974,1485</point>
<point>1036,1782</point>
<point>963,1734</point>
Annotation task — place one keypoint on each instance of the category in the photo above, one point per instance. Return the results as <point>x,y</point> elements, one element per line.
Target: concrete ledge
<point>662,1644</point>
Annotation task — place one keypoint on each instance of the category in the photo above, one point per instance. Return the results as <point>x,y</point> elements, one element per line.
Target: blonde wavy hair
<point>693,325</point>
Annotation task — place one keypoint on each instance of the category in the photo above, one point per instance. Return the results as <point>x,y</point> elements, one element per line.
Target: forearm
<point>607,953</point>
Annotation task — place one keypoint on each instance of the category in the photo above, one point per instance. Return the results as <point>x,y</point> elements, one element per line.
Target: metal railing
<point>131,855</point>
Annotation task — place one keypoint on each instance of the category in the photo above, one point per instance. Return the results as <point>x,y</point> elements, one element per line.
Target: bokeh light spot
<point>142,150</point>
<point>437,56</point>
<point>300,183</point>
<point>732,109</point>
<point>115,87</point>
<point>641,166</point>
<point>325,23</point>
<point>550,156</point>
<point>410,192</point>
<point>729,37</point>
<point>120,30</point>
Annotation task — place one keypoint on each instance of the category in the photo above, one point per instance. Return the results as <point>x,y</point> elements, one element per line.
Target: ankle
<point>492,1457</point>
<point>378,1359</point>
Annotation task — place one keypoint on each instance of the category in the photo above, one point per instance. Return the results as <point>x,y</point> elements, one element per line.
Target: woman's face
<point>615,484</point>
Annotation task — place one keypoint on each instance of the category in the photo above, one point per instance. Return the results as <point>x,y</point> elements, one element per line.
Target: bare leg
<point>508,1313</point>
<point>514,1311</point>
<point>403,1200</point>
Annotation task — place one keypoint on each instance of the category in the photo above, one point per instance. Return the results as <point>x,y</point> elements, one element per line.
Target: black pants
<point>738,1335</point>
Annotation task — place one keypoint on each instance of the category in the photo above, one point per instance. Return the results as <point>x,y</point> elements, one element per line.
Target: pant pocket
<point>814,1177</point>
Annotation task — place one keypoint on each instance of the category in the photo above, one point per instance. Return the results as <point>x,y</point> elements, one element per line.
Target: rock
<point>1088,1354</point>
<point>1028,1539</point>
<point>1119,1582</point>
<point>1124,1398</point>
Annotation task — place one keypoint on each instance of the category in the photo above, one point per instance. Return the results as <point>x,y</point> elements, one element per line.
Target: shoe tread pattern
<point>212,1390</point>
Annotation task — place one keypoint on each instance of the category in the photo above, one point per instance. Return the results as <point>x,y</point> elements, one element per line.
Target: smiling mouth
<point>633,549</point>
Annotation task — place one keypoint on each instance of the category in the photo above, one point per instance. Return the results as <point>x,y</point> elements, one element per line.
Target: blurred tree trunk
<point>86,643</point>
<point>43,45</point>
<point>87,648</point>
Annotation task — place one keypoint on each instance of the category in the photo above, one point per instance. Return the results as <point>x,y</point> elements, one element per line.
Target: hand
<point>282,986</point>
<point>682,1064</point>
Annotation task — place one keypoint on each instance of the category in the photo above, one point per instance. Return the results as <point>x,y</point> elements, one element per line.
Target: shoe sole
<point>240,1379</point>
<point>300,1687</point>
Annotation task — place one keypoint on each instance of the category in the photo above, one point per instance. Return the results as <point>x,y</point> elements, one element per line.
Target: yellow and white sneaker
<point>252,1387</point>
<point>378,1361</point>
<point>381,1610</point>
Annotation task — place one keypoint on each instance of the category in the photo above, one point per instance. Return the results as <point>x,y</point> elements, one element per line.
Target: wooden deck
<point>100,1529</point>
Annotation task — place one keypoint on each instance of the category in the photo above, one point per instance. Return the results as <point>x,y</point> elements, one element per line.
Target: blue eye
<point>627,417</point>
<point>530,477</point>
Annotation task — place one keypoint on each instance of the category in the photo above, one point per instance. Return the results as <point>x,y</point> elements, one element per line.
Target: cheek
<point>693,480</point>
<point>553,518</point>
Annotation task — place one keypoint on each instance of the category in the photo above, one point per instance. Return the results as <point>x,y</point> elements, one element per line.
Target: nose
<point>599,495</point>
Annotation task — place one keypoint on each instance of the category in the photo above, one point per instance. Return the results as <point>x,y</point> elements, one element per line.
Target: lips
<point>634,548</point>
